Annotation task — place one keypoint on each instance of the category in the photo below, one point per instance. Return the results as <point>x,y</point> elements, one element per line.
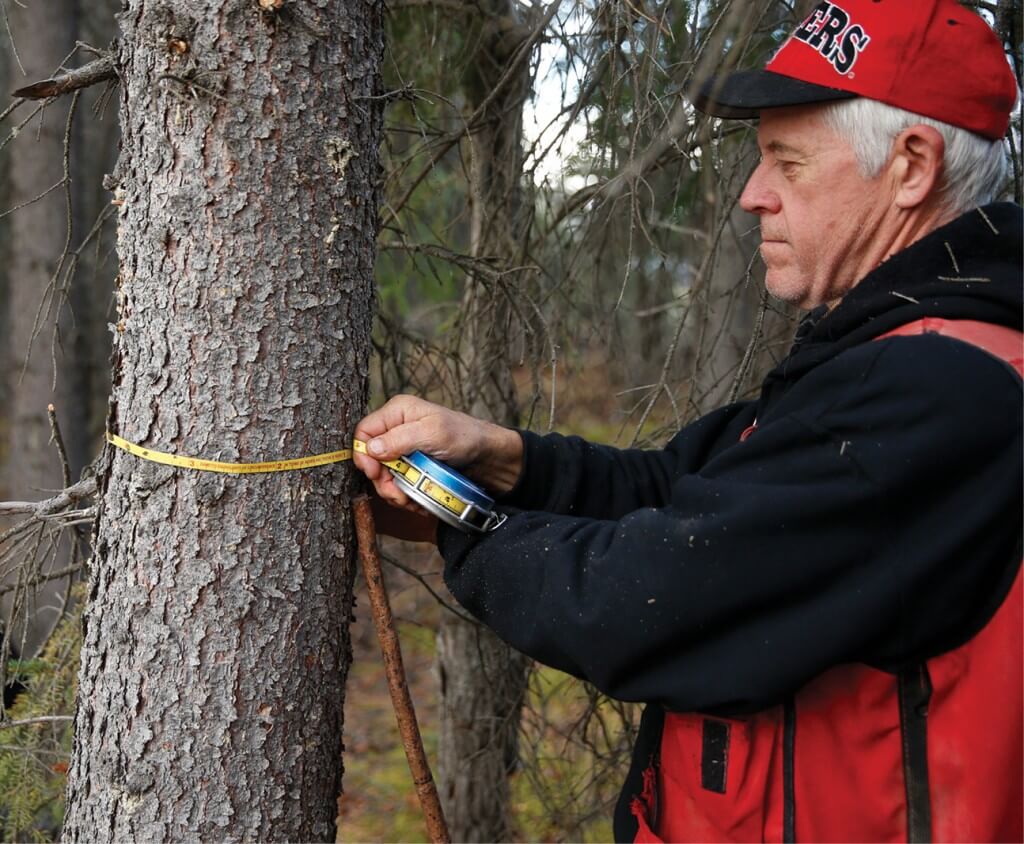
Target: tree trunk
<point>726,312</point>
<point>43,37</point>
<point>216,642</point>
<point>483,680</point>
<point>5,258</point>
<point>483,684</point>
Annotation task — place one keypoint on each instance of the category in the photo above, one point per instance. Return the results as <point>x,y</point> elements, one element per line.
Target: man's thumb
<point>399,440</point>
<point>391,445</point>
<point>377,447</point>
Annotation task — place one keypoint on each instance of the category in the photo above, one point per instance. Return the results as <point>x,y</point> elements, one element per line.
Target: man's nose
<point>757,196</point>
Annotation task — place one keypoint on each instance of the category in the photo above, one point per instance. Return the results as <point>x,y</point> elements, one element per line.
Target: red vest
<point>859,754</point>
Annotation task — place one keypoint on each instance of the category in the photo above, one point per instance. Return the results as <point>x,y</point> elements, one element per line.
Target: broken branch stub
<point>101,70</point>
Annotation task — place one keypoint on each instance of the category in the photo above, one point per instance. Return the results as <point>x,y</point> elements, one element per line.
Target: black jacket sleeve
<point>874,516</point>
<point>571,476</point>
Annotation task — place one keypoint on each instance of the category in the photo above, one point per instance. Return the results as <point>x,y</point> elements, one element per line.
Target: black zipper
<point>915,693</point>
<point>655,805</point>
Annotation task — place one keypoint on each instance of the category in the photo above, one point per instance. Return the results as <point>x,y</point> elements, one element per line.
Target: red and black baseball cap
<point>932,57</point>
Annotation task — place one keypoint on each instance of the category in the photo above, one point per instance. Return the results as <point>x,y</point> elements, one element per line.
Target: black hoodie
<point>873,516</point>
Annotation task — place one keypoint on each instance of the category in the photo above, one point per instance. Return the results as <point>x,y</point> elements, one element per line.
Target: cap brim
<point>745,93</point>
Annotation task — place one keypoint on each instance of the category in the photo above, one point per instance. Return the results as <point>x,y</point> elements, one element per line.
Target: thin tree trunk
<point>5,258</point>
<point>727,311</point>
<point>93,155</point>
<point>216,642</point>
<point>731,324</point>
<point>483,680</point>
<point>483,684</point>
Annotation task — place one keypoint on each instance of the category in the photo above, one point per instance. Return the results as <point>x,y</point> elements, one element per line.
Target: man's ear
<point>917,165</point>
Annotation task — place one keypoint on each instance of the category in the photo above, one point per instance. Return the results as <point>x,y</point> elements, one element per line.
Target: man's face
<point>818,214</point>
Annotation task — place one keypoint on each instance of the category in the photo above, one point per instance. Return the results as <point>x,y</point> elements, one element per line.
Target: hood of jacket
<point>968,269</point>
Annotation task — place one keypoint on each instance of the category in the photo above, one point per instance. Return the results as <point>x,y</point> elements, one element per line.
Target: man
<point>817,593</point>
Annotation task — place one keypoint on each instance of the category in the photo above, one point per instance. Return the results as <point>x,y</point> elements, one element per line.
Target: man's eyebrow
<point>777,147</point>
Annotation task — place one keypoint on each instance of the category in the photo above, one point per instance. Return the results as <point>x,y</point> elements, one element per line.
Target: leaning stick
<point>366,536</point>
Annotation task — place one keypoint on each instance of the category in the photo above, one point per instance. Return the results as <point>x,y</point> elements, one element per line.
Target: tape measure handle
<point>494,521</point>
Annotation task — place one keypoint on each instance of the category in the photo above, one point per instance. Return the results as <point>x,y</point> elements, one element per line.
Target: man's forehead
<point>793,130</point>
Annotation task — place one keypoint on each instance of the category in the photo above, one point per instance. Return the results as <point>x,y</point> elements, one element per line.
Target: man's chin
<point>784,287</point>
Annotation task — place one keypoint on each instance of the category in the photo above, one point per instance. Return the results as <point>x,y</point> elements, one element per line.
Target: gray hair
<point>975,166</point>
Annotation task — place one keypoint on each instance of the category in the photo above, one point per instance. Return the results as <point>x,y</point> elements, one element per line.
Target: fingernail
<point>376,446</point>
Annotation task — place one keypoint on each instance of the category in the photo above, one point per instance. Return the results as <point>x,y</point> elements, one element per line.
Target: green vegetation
<point>34,757</point>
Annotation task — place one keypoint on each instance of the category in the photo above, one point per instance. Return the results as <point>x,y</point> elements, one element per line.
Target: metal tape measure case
<point>454,499</point>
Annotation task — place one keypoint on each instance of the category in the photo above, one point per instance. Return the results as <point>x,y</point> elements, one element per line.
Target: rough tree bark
<point>483,681</point>
<point>36,165</point>
<point>216,641</point>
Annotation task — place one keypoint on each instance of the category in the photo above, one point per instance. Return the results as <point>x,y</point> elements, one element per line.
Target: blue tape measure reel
<point>454,499</point>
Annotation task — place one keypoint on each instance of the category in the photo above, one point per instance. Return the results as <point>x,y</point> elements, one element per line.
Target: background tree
<point>56,310</point>
<point>93,262</point>
<point>483,681</point>
<point>40,371</point>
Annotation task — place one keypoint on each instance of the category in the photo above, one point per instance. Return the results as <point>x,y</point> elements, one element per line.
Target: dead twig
<point>34,199</point>
<point>50,294</point>
<point>398,564</point>
<point>17,129</point>
<point>58,441</point>
<point>44,578</point>
<point>405,714</point>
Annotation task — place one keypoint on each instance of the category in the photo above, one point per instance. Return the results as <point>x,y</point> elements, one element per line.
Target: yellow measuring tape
<point>421,483</point>
<point>255,468</point>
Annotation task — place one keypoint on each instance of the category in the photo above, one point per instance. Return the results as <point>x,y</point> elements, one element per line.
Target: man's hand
<point>488,454</point>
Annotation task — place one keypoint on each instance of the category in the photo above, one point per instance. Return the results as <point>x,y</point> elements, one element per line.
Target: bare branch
<point>10,37</point>
<point>398,564</point>
<point>51,293</point>
<point>522,53</point>
<point>48,506</point>
<point>43,578</point>
<point>41,719</point>
<point>14,104</point>
<point>34,199</point>
<point>14,132</point>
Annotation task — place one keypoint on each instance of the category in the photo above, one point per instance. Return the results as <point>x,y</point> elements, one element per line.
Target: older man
<point>818,593</point>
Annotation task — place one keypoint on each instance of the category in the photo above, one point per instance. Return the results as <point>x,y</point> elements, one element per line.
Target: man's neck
<point>898,231</point>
